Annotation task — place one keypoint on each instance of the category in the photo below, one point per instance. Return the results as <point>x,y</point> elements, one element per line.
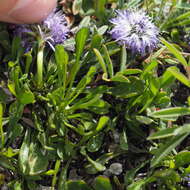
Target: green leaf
<point>82,84</point>
<point>130,174</point>
<point>18,185</point>
<point>57,167</point>
<point>182,23</point>
<point>77,185</point>
<point>16,110</point>
<point>149,68</point>
<point>85,105</point>
<point>133,3</point>
<point>167,79</point>
<point>81,38</point>
<point>182,16</point>
<point>11,87</point>
<point>15,132</point>
<point>100,107</point>
<point>87,5</point>
<point>28,56</point>
<point>120,78</point>
<point>124,141</point>
<point>102,183</point>
<point>102,30</point>
<point>137,185</point>
<point>131,71</point>
<point>69,43</point>
<point>182,159</point>
<point>178,75</point>
<point>121,3</point>
<point>16,73</point>
<point>97,165</point>
<point>167,174</point>
<point>123,58</point>
<point>164,133</point>
<point>102,122</point>
<point>40,62</point>
<point>143,119</point>
<point>100,8</point>
<point>180,19</point>
<point>85,22</point>
<point>175,52</point>
<point>62,59</point>
<point>184,6</point>
<point>63,177</point>
<point>166,148</point>
<point>31,160</point>
<point>126,90</point>
<point>24,152</point>
<point>170,112</point>
<point>37,161</point>
<point>101,61</point>
<point>108,61</point>
<point>103,159</point>
<point>95,143</point>
<point>96,41</point>
<point>154,84</point>
<point>26,97</point>
<point>16,48</point>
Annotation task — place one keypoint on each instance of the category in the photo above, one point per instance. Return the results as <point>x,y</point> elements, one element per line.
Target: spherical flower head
<point>57,26</point>
<point>135,30</point>
<point>53,30</point>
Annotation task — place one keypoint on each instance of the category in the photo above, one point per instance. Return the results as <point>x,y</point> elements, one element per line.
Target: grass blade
<point>175,52</point>
<point>166,148</point>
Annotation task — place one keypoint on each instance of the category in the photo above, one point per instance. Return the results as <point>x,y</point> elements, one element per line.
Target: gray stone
<point>116,168</point>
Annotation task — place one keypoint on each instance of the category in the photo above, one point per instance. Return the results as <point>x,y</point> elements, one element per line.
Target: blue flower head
<point>135,30</point>
<point>57,26</point>
<point>54,30</point>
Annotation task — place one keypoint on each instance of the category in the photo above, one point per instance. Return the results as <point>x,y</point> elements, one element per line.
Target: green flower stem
<point>54,180</point>
<point>123,58</point>
<point>40,66</point>
<point>1,126</point>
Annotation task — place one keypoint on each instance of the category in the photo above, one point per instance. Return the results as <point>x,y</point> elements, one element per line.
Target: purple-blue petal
<point>58,27</point>
<point>135,30</point>
<point>54,31</point>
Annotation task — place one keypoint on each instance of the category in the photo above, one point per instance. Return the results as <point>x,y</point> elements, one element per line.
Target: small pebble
<point>116,168</point>
<point>116,137</point>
